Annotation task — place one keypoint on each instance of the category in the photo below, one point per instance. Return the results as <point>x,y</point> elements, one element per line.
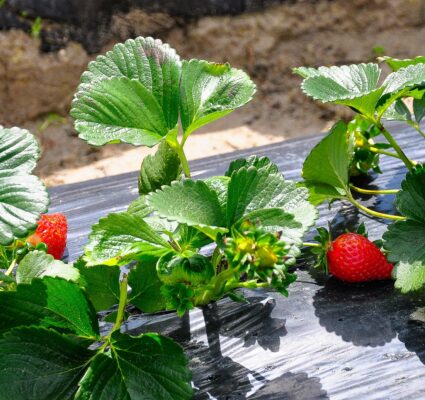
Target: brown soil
<point>267,45</point>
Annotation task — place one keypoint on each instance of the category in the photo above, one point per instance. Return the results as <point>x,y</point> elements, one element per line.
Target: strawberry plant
<point>51,346</point>
<point>253,219</point>
<point>352,149</point>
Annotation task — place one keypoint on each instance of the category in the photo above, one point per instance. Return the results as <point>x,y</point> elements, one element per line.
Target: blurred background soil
<point>45,45</point>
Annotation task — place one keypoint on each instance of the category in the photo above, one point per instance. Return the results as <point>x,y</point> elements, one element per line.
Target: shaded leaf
<point>159,169</point>
<point>419,109</point>
<point>145,285</point>
<point>397,111</point>
<point>102,284</point>
<point>39,363</point>
<point>50,302</point>
<point>329,161</point>
<point>147,366</point>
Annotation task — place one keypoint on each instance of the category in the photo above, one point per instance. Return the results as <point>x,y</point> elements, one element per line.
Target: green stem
<point>372,212</point>
<point>253,284</point>
<point>11,268</point>
<point>370,191</point>
<point>185,165</point>
<point>408,163</point>
<point>381,151</point>
<point>309,244</point>
<point>121,305</point>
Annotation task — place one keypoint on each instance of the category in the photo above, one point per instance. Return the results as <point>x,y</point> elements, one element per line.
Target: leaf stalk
<point>373,192</point>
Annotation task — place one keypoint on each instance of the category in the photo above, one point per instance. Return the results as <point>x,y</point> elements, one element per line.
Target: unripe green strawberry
<point>354,258</point>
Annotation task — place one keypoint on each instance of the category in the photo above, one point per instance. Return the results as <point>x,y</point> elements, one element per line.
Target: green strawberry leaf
<point>189,202</point>
<point>147,366</point>
<point>189,238</point>
<point>23,197</point>
<point>117,110</point>
<point>115,239</point>
<point>39,363</point>
<point>306,72</point>
<point>145,285</point>
<point>334,154</point>
<point>397,111</point>
<point>129,95</point>
<point>395,64</point>
<point>49,302</point>
<point>101,283</point>
<point>209,91</point>
<point>419,108</point>
<point>139,207</point>
<point>410,201</point>
<point>37,264</point>
<point>404,79</point>
<point>350,85</point>
<point>320,192</point>
<point>159,169</point>
<point>251,161</point>
<point>219,185</point>
<point>153,63</point>
<point>404,240</point>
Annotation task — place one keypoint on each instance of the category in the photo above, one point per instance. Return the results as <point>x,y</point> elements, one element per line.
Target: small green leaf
<point>38,363</point>
<point>329,161</point>
<point>251,161</point>
<point>117,110</point>
<point>209,91</point>
<point>23,197</point>
<point>306,72</point>
<point>276,220</point>
<point>405,78</point>
<point>143,367</point>
<point>50,302</point>
<point>139,207</point>
<point>351,85</point>
<point>419,109</point>
<point>320,192</point>
<point>195,269</point>
<point>102,284</point>
<point>159,169</point>
<point>396,64</point>
<point>409,276</point>
<point>397,111</point>
<point>145,285</point>
<point>189,202</point>
<point>37,264</point>
<point>153,63</point>
<point>189,238</point>
<point>118,237</point>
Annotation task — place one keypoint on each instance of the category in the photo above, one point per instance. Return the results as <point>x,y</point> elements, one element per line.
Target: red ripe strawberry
<point>354,258</point>
<point>52,230</point>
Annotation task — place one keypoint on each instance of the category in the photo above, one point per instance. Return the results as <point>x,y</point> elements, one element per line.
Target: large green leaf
<point>38,363</point>
<point>189,202</point>
<point>117,110</point>
<point>153,63</point>
<point>118,237</point>
<point>405,240</point>
<point>144,367</point>
<point>159,169</point>
<point>405,78</point>
<point>209,91</point>
<point>410,201</point>
<point>102,284</point>
<point>23,197</point>
<point>327,165</point>
<point>37,264</point>
<point>145,285</point>
<point>395,64</point>
<point>50,302</point>
<point>351,85</point>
